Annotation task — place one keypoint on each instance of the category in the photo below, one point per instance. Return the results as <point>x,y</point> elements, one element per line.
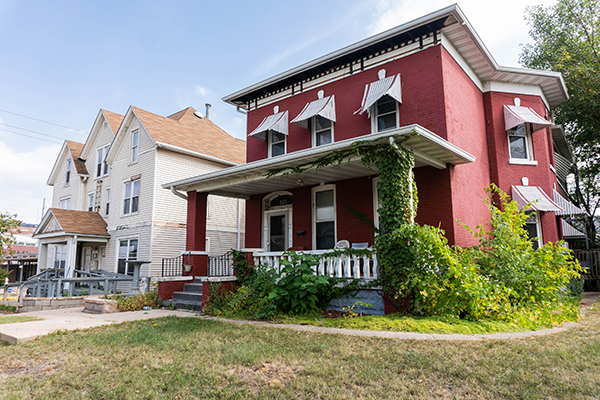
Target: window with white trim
<point>60,256</point>
<point>101,165</point>
<point>533,228</point>
<point>128,250</point>
<point>68,177</point>
<point>131,200</point>
<point>386,114</point>
<point>324,217</point>
<point>135,144</point>
<point>322,131</point>
<point>276,143</point>
<point>65,203</point>
<point>107,208</point>
<point>90,201</point>
<point>520,143</point>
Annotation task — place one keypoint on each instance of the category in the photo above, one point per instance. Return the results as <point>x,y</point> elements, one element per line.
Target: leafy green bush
<point>5,308</point>
<point>136,303</point>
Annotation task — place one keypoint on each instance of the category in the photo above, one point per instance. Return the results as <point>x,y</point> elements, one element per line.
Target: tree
<point>567,39</point>
<point>9,225</point>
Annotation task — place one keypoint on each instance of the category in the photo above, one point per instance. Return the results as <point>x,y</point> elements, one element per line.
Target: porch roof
<point>244,180</point>
<point>59,222</point>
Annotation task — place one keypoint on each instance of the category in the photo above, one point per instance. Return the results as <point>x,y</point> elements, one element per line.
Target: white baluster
<point>375,266</point>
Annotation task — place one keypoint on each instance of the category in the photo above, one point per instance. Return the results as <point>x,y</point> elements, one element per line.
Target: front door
<point>87,259</point>
<point>277,238</point>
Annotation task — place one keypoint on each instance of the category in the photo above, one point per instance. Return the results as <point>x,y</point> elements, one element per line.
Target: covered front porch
<point>310,209</point>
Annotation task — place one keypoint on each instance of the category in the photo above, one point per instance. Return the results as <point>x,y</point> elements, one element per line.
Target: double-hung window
<point>91,202</point>
<point>324,236</point>
<point>107,201</point>
<point>60,256</point>
<point>276,143</point>
<point>128,250</point>
<point>68,177</point>
<point>532,226</point>
<point>135,144</point>
<point>322,131</point>
<point>101,165</point>
<point>386,113</point>
<point>65,203</point>
<point>520,143</point>
<point>132,197</point>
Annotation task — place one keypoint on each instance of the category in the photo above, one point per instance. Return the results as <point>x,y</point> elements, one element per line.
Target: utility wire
<point>29,130</point>
<point>29,136</point>
<point>41,120</point>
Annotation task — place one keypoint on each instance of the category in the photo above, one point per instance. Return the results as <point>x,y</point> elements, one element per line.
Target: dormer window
<point>276,144</point>
<point>135,141</point>
<point>68,177</point>
<point>380,101</point>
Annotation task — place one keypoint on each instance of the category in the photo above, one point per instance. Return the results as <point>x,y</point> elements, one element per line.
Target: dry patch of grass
<point>10,319</point>
<point>189,358</point>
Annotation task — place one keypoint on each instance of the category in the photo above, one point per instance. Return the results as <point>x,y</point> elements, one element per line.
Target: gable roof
<point>450,21</point>
<point>75,149</point>
<point>74,222</point>
<point>114,121</point>
<point>185,131</point>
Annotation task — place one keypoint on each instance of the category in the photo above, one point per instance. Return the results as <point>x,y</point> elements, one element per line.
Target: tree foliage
<point>9,225</point>
<point>567,39</point>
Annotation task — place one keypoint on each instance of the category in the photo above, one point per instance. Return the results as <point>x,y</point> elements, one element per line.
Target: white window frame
<point>131,197</point>
<point>270,144</point>
<point>313,217</point>
<point>313,131</point>
<point>90,201</point>
<point>530,160</point>
<point>60,255</point>
<point>107,203</point>
<point>65,199</point>
<point>135,147</point>
<point>373,114</point>
<point>118,245</point>
<point>538,227</point>
<point>68,176</point>
<point>101,161</point>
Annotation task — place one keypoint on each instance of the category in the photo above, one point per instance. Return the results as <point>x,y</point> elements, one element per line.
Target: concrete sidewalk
<point>72,319</point>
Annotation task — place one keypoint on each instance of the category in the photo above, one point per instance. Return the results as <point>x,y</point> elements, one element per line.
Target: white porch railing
<point>340,266</point>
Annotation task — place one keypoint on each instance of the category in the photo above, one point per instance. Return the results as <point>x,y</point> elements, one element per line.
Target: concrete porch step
<point>192,288</point>
<point>191,296</point>
<point>183,304</point>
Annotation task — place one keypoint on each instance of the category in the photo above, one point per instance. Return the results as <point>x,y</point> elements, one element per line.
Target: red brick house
<point>471,123</point>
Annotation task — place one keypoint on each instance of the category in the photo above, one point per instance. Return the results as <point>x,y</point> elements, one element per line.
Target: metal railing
<point>172,266</point>
<point>590,261</point>
<point>341,266</point>
<point>221,265</point>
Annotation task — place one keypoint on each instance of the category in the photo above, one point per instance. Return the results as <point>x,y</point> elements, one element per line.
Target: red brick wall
<point>166,289</point>
<point>423,102</point>
<point>504,174</point>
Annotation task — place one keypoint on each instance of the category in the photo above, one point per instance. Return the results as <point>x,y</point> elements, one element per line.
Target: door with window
<point>277,239</point>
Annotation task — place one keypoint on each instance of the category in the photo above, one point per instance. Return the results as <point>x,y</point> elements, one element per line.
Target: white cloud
<point>23,178</point>
<point>500,24</point>
<point>202,91</point>
<point>194,96</point>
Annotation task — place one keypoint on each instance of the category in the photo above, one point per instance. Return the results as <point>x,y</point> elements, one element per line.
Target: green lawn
<point>9,319</point>
<point>190,358</point>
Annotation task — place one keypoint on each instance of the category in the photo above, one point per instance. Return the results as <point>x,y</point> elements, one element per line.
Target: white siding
<point>167,242</point>
<point>144,236</point>
<point>61,189</point>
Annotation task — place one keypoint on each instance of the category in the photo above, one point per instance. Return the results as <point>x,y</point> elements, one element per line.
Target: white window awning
<point>277,122</point>
<point>533,197</point>
<point>324,107</point>
<point>517,115</point>
<point>568,207</point>
<point>376,90</point>
<point>569,232</point>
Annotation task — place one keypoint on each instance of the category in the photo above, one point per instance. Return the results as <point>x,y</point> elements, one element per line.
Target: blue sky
<point>61,61</point>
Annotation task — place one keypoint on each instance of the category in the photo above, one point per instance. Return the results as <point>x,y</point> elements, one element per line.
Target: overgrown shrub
<point>7,309</point>
<point>134,303</point>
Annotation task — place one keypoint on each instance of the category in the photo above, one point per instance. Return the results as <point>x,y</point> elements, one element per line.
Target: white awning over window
<point>516,115</point>
<point>324,107</point>
<point>277,122</point>
<point>535,197</point>
<point>568,207</point>
<point>376,90</point>
<point>569,232</point>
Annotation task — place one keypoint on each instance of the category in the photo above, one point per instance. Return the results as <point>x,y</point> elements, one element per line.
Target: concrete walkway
<point>75,318</point>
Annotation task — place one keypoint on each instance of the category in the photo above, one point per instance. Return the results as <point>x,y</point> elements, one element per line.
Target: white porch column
<point>71,257</point>
<point>42,257</point>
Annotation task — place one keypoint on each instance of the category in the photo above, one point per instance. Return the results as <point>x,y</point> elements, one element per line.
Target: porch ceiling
<point>248,179</point>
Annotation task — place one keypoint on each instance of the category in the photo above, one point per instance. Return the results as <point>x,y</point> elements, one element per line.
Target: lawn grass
<point>404,323</point>
<point>9,319</point>
<point>188,358</point>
